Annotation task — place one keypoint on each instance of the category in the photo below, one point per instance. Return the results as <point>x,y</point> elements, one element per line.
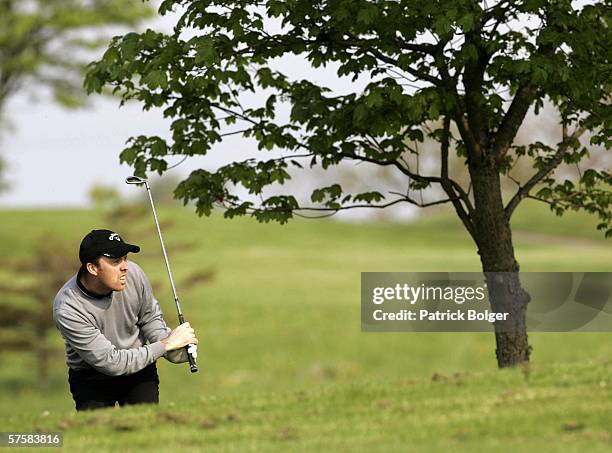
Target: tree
<point>474,67</point>
<point>45,44</point>
<point>104,197</point>
<point>26,327</point>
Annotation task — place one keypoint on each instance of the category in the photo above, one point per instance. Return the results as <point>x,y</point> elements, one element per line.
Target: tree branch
<point>450,186</point>
<point>472,145</point>
<point>513,119</point>
<point>429,49</point>
<point>444,147</point>
<point>420,74</point>
<point>542,200</point>
<point>553,163</point>
<point>473,77</point>
<point>423,205</point>
<point>404,199</point>
<point>394,163</point>
<point>234,113</point>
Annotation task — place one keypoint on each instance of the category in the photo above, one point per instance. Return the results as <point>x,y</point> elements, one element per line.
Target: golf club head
<point>135,180</point>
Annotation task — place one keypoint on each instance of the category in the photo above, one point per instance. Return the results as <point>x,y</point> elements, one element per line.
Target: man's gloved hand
<point>180,355</point>
<point>175,343</point>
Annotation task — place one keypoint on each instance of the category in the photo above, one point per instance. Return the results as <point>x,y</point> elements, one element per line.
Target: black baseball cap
<point>104,243</point>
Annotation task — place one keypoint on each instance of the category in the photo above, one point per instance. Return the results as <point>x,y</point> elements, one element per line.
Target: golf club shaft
<point>192,364</point>
<point>163,247</point>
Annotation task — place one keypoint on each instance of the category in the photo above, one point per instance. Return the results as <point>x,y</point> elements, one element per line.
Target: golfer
<point>113,327</point>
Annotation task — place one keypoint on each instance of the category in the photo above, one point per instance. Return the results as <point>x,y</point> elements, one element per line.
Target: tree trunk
<point>494,241</point>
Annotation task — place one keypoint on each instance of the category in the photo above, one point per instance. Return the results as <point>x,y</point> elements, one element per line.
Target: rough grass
<point>284,365</point>
<point>563,407</point>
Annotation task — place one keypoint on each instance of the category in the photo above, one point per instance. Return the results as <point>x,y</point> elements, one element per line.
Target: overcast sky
<point>54,156</point>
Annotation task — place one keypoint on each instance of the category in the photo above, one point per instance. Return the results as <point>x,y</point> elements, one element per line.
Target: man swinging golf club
<point>113,327</point>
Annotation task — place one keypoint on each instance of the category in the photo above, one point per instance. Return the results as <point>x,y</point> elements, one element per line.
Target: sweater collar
<point>88,292</point>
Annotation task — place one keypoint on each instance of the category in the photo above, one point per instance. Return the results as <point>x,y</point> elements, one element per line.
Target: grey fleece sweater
<point>111,333</point>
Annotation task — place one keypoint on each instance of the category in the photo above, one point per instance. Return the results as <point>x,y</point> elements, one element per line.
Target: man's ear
<point>92,269</point>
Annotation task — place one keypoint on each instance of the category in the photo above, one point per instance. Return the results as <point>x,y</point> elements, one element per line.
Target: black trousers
<point>92,390</point>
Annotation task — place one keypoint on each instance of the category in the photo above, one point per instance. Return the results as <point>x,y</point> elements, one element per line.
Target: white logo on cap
<point>114,236</point>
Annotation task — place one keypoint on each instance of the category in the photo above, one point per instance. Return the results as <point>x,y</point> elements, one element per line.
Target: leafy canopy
<point>471,70</point>
<point>45,44</point>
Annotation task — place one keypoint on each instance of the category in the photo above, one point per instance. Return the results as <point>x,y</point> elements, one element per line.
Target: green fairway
<point>284,364</point>
<point>559,407</point>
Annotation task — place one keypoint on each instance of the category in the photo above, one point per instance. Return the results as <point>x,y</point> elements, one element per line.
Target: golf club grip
<point>192,365</point>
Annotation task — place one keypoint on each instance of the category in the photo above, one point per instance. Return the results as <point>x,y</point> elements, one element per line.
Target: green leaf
<point>206,54</point>
<point>367,15</point>
<point>360,113</point>
<point>159,148</point>
<point>466,23</point>
<point>369,197</point>
<point>156,79</point>
<point>374,99</point>
<point>129,46</point>
<point>442,26</point>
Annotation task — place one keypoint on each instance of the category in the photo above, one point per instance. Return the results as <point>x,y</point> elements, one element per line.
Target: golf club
<point>190,353</point>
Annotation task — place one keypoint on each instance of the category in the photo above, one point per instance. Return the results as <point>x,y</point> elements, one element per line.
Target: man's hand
<point>180,337</point>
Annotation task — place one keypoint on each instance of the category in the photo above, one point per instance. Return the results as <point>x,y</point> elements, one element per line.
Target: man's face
<point>112,273</point>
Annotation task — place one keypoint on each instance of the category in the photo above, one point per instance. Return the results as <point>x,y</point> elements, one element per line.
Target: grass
<point>277,314</point>
<point>559,407</point>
